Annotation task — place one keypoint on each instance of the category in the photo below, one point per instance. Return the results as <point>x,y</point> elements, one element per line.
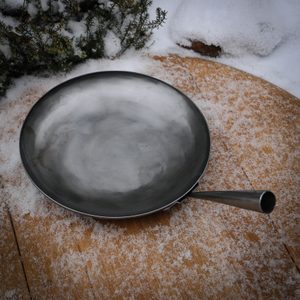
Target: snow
<point>242,27</point>
<point>5,49</point>
<point>32,10</point>
<point>10,294</point>
<point>112,44</point>
<point>282,67</point>
<point>44,4</point>
<point>9,21</point>
<point>13,3</point>
<point>77,28</point>
<point>130,61</point>
<point>259,37</point>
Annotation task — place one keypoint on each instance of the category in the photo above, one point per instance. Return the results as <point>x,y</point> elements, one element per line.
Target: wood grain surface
<point>197,249</point>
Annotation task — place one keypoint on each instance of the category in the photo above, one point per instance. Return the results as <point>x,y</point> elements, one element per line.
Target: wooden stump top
<point>196,250</point>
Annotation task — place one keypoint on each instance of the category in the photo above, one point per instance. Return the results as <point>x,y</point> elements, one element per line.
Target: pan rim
<point>102,73</point>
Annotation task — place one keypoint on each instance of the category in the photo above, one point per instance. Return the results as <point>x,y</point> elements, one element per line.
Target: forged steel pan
<point>121,144</point>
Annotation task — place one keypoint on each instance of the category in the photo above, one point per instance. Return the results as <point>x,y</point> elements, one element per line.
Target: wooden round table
<point>196,250</point>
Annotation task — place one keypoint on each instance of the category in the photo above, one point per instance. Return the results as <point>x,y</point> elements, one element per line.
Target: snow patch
<point>260,37</point>
<point>255,27</point>
<point>112,44</point>
<point>44,4</point>
<point>32,10</point>
<point>77,28</point>
<point>13,3</point>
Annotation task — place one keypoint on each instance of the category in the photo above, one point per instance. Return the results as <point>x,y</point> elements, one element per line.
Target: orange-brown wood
<point>13,284</point>
<point>196,250</point>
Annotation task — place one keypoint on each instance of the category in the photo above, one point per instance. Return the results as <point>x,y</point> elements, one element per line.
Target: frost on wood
<point>196,250</point>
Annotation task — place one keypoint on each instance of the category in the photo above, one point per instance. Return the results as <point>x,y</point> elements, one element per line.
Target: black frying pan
<point>121,144</point>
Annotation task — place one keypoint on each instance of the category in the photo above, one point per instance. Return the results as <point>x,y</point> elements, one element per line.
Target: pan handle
<point>261,201</point>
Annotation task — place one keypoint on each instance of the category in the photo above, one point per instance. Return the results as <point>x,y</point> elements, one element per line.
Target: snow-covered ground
<point>259,37</point>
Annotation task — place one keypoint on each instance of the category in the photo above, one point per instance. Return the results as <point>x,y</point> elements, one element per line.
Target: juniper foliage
<point>43,36</point>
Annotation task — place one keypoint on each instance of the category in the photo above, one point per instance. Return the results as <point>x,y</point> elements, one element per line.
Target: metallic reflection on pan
<point>121,144</point>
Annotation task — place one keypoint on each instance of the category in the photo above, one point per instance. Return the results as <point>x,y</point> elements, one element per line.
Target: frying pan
<point>121,144</point>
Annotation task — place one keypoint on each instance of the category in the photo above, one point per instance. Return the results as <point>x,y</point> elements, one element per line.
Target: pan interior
<point>114,144</point>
